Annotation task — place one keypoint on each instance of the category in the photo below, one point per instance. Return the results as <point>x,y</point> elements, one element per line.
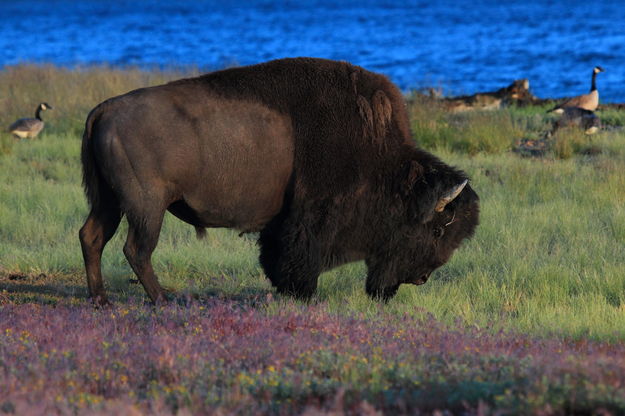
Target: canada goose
<point>588,101</point>
<point>578,117</point>
<point>29,127</point>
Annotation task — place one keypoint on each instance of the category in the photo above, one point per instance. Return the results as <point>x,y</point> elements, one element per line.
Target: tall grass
<point>547,257</point>
<point>467,132</point>
<point>499,131</point>
<point>71,93</point>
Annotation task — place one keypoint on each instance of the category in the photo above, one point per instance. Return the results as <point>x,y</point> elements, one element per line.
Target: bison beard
<point>317,155</point>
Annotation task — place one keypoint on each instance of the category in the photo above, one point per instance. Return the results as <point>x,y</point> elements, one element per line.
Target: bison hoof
<point>383,294</point>
<point>163,298</point>
<point>100,301</point>
<point>300,294</point>
<point>169,291</point>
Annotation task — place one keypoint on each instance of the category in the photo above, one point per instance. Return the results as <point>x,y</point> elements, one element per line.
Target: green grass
<point>547,258</point>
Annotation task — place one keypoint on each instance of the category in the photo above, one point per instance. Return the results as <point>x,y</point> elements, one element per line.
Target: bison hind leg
<point>144,227</point>
<point>290,258</point>
<point>98,229</point>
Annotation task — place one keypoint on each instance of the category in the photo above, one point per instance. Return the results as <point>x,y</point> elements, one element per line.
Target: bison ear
<point>449,196</point>
<point>412,171</point>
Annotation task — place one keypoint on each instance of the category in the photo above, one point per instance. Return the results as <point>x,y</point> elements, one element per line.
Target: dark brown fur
<point>317,155</point>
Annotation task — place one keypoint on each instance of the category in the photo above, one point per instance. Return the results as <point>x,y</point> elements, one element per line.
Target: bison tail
<point>92,181</point>
<point>200,233</point>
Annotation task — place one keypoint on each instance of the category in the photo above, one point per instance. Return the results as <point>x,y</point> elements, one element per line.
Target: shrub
<point>570,141</point>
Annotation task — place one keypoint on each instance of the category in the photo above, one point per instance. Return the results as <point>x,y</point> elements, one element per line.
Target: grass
<point>71,93</point>
<point>468,133</point>
<point>546,262</point>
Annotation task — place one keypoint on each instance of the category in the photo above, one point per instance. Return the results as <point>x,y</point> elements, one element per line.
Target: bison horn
<point>449,196</point>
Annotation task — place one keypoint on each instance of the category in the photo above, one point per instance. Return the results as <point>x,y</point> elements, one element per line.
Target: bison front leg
<point>382,283</point>
<point>291,260</point>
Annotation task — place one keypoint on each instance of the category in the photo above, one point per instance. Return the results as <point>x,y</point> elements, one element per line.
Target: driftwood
<point>611,106</point>
<point>517,93</point>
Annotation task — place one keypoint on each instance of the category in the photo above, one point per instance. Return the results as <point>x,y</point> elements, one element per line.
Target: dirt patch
<point>39,287</point>
<point>531,147</point>
<point>23,276</point>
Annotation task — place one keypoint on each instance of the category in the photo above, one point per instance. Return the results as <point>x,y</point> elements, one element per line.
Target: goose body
<point>29,127</point>
<point>578,117</point>
<point>588,101</point>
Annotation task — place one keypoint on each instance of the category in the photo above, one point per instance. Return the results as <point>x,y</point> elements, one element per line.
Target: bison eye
<point>438,232</point>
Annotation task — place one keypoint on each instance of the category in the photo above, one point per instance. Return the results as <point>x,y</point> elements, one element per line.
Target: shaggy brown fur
<point>317,155</point>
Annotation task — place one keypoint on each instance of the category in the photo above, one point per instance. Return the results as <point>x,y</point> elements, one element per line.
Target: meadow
<point>528,317</point>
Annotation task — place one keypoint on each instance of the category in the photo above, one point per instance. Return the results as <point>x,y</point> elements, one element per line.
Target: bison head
<point>439,209</point>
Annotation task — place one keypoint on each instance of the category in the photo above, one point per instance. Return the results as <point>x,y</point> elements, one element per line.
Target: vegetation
<point>278,357</point>
<point>527,317</point>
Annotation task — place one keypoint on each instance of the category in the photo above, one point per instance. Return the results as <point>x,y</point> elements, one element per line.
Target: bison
<point>316,155</point>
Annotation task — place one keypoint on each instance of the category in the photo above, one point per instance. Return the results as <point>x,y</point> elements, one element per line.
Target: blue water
<point>460,46</point>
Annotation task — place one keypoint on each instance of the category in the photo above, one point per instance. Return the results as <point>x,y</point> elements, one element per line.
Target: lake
<point>462,47</point>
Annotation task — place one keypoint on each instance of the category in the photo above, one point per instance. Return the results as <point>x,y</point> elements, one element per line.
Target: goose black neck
<point>593,86</point>
<point>38,112</point>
